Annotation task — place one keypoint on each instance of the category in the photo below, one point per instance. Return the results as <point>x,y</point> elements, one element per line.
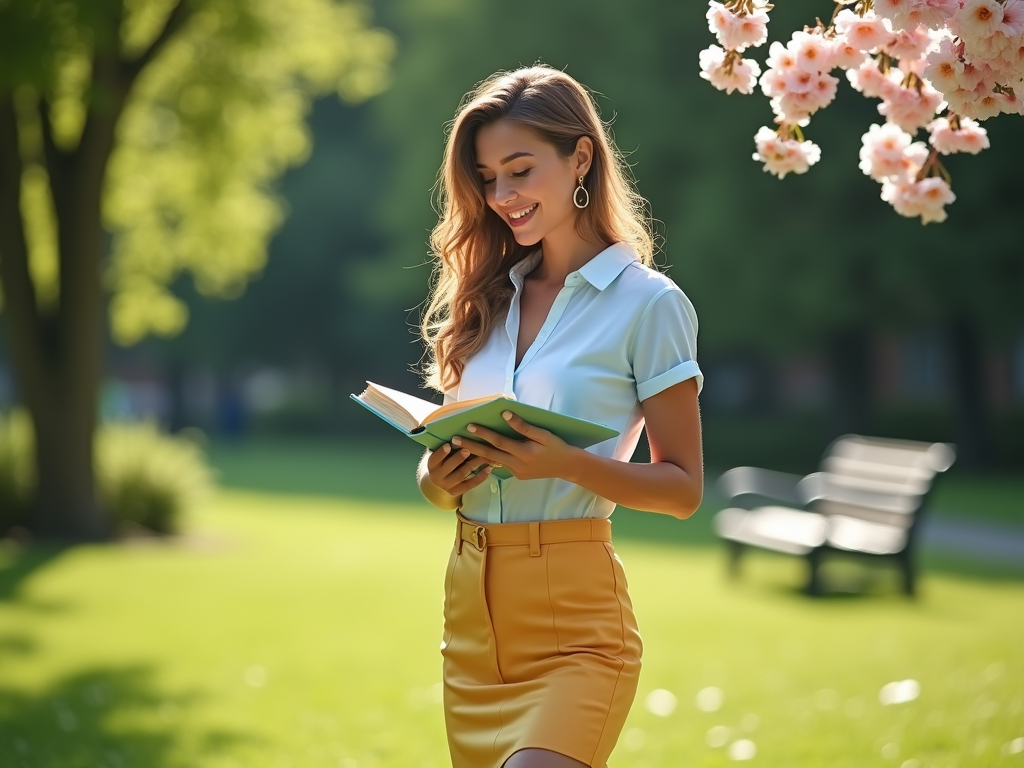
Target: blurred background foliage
<point>821,311</point>
<point>819,308</point>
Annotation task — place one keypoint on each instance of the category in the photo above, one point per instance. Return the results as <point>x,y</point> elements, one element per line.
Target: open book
<point>433,425</point>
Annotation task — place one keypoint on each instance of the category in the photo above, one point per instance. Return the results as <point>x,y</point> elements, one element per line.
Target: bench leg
<point>735,554</point>
<point>814,584</point>
<point>907,571</point>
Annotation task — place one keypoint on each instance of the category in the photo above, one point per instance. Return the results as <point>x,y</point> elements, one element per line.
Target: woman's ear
<point>583,156</point>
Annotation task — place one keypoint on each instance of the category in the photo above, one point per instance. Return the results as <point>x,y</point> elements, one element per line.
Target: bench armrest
<point>822,486</point>
<point>753,486</point>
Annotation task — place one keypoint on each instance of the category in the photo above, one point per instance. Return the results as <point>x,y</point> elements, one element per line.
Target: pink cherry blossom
<point>916,56</point>
<point>1013,18</point>
<point>912,66</point>
<point>989,105</point>
<point>932,13</point>
<point>911,108</point>
<point>780,57</point>
<point>964,102</point>
<point>1012,105</point>
<point>799,80</point>
<point>942,65</point>
<point>896,11</point>
<point>773,83</point>
<point>977,18</point>
<point>926,198</point>
<point>969,75</point>
<point>781,156</point>
<point>824,87</point>
<point>889,154</point>
<point>969,137</point>
<point>794,108</point>
<point>846,56</point>
<point>867,32</point>
<point>813,52</point>
<point>907,14</point>
<point>908,43</point>
<point>737,32</point>
<point>986,48</point>
<point>1012,58</point>
<point>871,81</point>
<point>741,76</point>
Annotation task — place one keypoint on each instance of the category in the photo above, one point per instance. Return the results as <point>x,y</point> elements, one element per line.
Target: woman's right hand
<point>452,470</point>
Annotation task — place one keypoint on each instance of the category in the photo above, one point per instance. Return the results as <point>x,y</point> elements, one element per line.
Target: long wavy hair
<point>473,248</point>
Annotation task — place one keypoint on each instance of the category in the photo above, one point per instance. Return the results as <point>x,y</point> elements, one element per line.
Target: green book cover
<point>432,435</point>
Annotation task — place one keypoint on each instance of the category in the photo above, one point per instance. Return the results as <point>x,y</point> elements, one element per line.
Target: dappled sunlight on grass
<point>303,631</point>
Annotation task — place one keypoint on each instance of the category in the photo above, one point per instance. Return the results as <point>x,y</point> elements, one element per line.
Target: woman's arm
<point>672,483</point>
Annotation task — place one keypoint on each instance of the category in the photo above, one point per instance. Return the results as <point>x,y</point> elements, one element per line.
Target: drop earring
<point>577,197</point>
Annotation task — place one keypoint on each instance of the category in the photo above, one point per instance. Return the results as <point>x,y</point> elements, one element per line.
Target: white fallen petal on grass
<point>661,702</point>
<point>256,676</point>
<point>709,699</point>
<point>899,692</point>
<point>634,739</point>
<point>742,749</point>
<point>717,736</point>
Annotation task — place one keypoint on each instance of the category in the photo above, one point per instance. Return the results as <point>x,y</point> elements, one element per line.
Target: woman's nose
<point>504,191</point>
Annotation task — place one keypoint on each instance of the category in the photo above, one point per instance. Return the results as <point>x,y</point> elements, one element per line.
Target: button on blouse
<point>617,333</point>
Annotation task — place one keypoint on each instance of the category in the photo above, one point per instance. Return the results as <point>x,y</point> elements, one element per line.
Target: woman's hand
<point>452,471</point>
<point>542,454</point>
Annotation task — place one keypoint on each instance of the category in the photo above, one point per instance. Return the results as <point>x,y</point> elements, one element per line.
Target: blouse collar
<point>600,271</point>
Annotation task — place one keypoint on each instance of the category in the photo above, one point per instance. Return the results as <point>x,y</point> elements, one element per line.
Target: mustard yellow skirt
<point>541,647</point>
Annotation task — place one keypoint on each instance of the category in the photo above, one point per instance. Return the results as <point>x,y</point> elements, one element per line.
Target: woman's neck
<point>564,252</point>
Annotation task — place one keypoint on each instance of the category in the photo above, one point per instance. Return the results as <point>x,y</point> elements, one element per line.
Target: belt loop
<point>534,539</point>
<point>458,535</point>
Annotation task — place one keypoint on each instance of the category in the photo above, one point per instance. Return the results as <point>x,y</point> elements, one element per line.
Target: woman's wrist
<point>577,465</point>
<point>431,492</point>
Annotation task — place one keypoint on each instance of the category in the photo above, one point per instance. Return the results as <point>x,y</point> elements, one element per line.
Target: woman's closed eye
<point>518,175</point>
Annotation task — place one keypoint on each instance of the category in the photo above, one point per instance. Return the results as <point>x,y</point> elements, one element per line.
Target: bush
<point>143,478</point>
<point>17,469</point>
<point>147,478</point>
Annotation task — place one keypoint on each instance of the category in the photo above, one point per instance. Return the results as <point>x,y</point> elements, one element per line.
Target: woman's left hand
<point>542,454</point>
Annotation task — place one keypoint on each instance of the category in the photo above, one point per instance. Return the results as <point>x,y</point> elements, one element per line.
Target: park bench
<point>867,499</point>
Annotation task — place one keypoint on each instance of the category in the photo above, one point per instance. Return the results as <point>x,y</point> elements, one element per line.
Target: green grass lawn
<point>295,631</point>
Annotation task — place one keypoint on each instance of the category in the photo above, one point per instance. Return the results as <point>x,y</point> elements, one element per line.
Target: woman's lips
<point>522,219</point>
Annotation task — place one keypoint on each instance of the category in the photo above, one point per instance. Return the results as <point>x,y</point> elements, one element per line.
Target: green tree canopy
<point>139,141</point>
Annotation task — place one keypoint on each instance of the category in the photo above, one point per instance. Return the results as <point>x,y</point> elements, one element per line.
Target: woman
<point>546,292</point>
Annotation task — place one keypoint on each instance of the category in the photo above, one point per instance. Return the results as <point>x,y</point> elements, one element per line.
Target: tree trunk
<point>967,363</point>
<point>852,370</point>
<point>58,355</point>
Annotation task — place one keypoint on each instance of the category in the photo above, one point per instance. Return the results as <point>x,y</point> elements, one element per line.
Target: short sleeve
<point>665,345</point>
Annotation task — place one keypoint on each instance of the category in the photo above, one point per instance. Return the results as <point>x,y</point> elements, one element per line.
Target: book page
<point>461,405</point>
<point>419,410</point>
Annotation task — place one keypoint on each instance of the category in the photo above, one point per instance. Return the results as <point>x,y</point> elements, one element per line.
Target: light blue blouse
<point>617,333</point>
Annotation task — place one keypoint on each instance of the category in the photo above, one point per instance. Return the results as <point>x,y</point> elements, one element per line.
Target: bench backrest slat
<point>885,481</point>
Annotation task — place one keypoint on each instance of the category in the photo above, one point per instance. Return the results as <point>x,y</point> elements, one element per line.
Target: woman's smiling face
<point>526,181</point>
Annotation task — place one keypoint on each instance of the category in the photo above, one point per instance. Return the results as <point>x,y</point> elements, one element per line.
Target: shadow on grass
<point>102,718</point>
<point>19,565</point>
